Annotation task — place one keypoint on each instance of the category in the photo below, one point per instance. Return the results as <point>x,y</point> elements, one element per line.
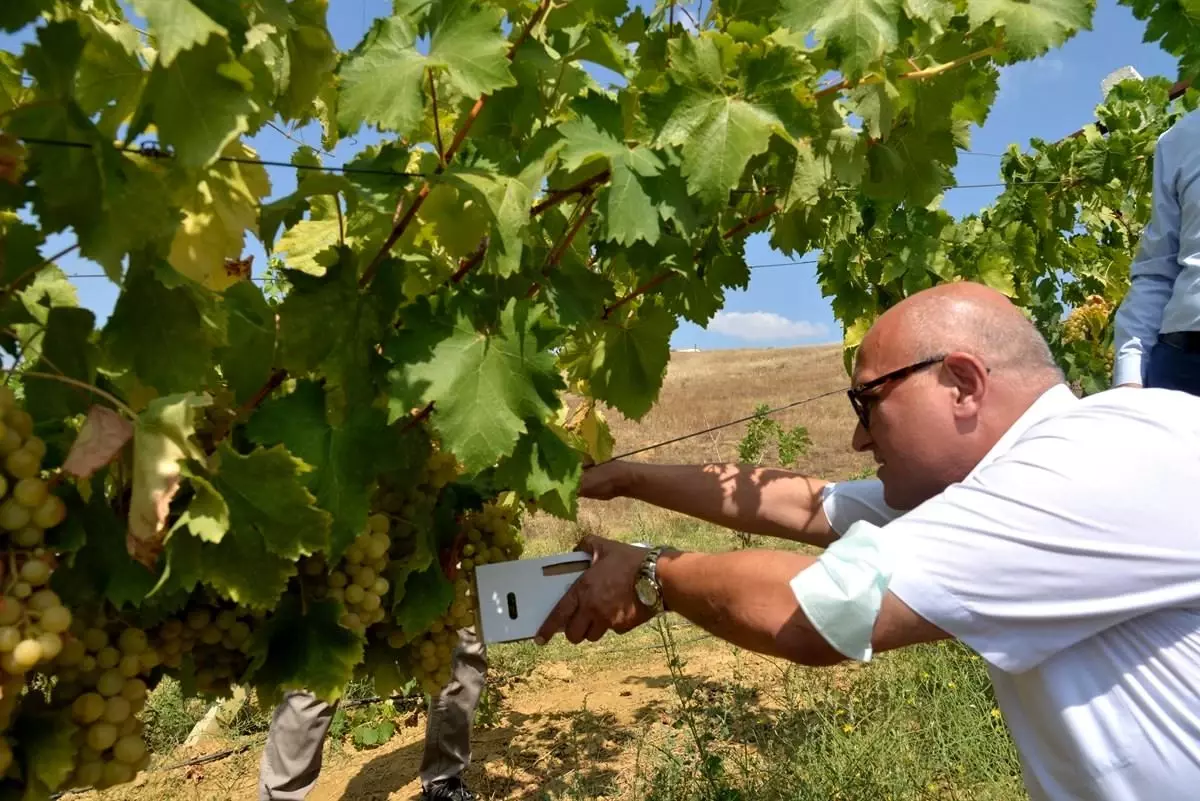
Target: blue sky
<point>1047,98</point>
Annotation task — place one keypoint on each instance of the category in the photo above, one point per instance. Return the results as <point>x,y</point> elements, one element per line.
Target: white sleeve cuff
<point>842,592</point>
<point>1127,369</point>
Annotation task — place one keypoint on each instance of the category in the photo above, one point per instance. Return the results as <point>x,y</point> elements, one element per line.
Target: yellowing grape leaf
<point>162,439</point>
<point>302,244</point>
<point>103,435</point>
<point>217,212</point>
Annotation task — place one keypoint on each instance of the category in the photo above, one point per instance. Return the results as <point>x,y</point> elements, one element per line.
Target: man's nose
<point>861,439</point>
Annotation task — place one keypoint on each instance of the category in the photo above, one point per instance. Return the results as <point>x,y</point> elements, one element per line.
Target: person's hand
<point>604,481</point>
<point>603,598</point>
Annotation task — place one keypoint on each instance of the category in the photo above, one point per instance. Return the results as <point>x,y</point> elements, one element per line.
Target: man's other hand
<point>605,481</point>
<point>602,598</point>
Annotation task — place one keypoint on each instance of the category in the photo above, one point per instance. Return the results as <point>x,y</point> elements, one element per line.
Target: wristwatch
<point>648,590</point>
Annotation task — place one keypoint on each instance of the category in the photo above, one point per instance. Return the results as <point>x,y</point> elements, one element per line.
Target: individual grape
<point>36,446</point>
<point>44,599</point>
<point>134,690</point>
<point>30,492</point>
<point>211,635</point>
<point>108,657</point>
<point>337,579</point>
<point>354,594</point>
<point>380,586</point>
<point>370,602</point>
<point>10,638</point>
<point>11,610</point>
<point>378,523</point>
<point>95,639</point>
<point>199,618</point>
<point>365,577</point>
<point>88,774</point>
<point>353,554</point>
<point>22,590</point>
<point>27,654</point>
<point>225,619</point>
<point>14,516</point>
<point>130,665</point>
<point>28,537</point>
<point>56,619</point>
<point>51,643</point>
<point>110,682</point>
<point>22,463</point>
<point>101,735</point>
<point>129,749</point>
<point>19,421</point>
<point>132,641</point>
<point>50,513</point>
<point>73,652</point>
<point>117,709</point>
<point>36,572</point>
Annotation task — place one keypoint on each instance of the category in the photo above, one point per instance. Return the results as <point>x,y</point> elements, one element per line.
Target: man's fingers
<point>577,627</point>
<point>590,544</point>
<point>558,617</point>
<point>596,630</point>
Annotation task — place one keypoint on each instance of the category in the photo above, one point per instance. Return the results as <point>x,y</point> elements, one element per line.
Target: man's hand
<point>605,481</point>
<point>602,598</point>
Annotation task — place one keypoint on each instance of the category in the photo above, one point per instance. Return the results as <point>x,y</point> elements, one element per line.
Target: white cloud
<point>760,325</point>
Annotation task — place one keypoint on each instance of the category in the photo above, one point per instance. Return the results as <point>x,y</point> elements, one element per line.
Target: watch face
<point>646,592</point>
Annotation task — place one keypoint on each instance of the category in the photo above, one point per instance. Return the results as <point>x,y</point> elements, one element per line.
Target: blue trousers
<point>1173,368</point>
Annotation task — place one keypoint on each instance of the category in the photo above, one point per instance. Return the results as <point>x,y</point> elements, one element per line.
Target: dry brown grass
<point>708,388</point>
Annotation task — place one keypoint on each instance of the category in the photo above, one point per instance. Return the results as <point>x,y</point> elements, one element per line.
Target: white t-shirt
<point>1069,559</point>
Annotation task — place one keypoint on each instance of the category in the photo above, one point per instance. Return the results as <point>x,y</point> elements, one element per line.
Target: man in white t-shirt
<point>1053,535</point>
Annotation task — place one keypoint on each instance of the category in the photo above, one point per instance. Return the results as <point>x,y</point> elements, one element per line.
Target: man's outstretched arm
<point>743,597</point>
<point>756,500</point>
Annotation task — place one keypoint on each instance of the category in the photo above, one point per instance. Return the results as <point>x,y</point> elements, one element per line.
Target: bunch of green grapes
<point>493,533</point>
<point>104,672</point>
<point>1087,322</point>
<point>429,655</point>
<point>358,582</point>
<point>218,636</point>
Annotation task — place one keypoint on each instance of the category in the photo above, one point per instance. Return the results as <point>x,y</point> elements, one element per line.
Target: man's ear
<point>969,376</point>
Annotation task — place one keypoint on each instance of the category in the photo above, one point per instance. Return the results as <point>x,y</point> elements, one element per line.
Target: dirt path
<point>567,730</point>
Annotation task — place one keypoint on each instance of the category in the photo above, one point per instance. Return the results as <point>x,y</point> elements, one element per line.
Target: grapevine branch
<point>583,187</point>
<point>437,123</point>
<point>470,262</point>
<point>63,379</point>
<point>915,75</point>
<point>556,255</point>
<point>459,137</point>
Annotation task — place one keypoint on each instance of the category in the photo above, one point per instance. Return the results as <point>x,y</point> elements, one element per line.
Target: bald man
<point>1052,535</point>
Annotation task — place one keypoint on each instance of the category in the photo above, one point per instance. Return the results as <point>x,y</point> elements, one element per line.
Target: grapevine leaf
<point>382,80</point>
<point>177,26</point>
<point>18,250</point>
<point>466,41</point>
<point>303,244</point>
<point>159,333</point>
<point>217,212</point>
<point>345,458</point>
<point>50,289</point>
<point>312,56</point>
<point>47,742</point>
<point>544,469</point>
<point>630,360</point>
<point>16,14</point>
<point>303,647</point>
<point>103,435</point>
<point>426,596</point>
<point>484,384</point>
<point>207,513</point>
<point>577,294</point>
<point>857,32</point>
<point>110,78</point>
<point>1034,26</point>
<point>247,361</point>
<point>162,439</point>
<point>265,494</point>
<point>327,324</point>
<point>508,200</point>
<point>101,568</point>
<point>200,103</point>
<point>240,567</point>
<point>66,349</point>
<point>589,429</point>
<point>718,135</point>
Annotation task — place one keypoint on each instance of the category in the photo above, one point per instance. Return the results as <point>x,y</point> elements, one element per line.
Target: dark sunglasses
<point>858,394</point>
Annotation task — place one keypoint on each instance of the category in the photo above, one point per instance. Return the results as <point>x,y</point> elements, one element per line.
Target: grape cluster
<point>217,634</point>
<point>33,620</point>
<point>429,656</point>
<point>358,582</point>
<point>493,534</point>
<point>1087,322</point>
<point>103,672</point>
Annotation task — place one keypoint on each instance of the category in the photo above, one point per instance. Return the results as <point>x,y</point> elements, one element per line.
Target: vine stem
<point>470,262</point>
<point>915,75</point>
<point>663,277</point>
<point>34,270</point>
<point>437,123</point>
<point>459,137</point>
<point>556,255</point>
<point>62,379</point>
<point>559,195</point>
<point>416,419</point>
